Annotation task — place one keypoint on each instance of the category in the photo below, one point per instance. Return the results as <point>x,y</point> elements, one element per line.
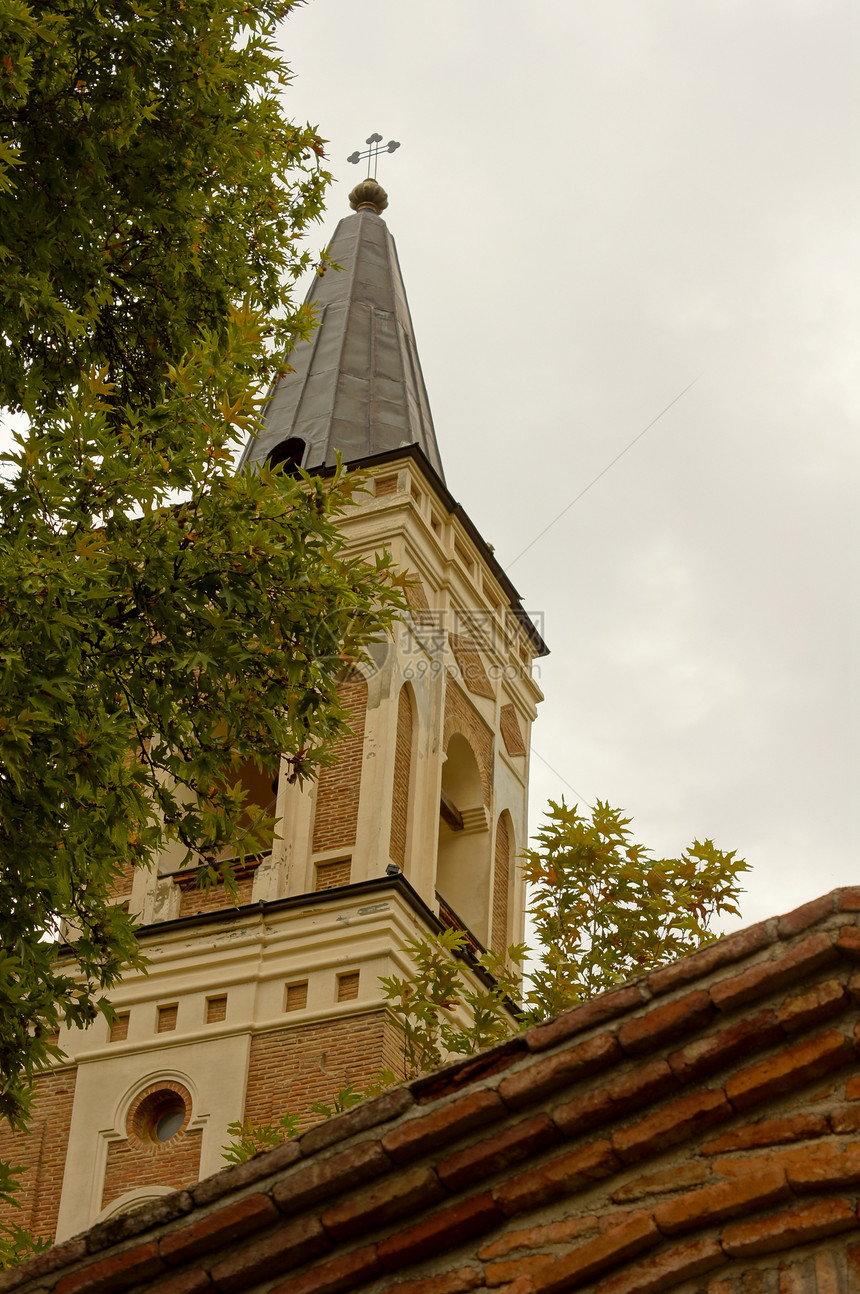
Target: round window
<point>159,1116</point>
<point>169,1124</point>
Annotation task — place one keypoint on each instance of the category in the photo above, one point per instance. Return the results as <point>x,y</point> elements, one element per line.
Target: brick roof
<point>693,1130</point>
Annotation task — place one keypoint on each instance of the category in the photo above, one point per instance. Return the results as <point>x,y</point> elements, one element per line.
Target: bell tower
<point>267,1005</point>
<point>434,780</point>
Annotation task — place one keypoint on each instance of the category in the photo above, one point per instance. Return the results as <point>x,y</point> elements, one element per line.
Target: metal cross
<point>372,153</point>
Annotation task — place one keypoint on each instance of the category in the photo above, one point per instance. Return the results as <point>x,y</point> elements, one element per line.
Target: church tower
<point>253,1010</point>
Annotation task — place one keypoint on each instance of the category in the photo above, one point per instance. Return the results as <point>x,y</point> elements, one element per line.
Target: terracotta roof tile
<point>704,1095</point>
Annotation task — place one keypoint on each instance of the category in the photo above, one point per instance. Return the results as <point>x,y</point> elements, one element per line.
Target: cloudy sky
<point>598,206</point>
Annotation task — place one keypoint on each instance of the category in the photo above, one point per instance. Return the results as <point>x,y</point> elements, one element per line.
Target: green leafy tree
<point>149,181</point>
<point>452,1004</point>
<point>163,619</point>
<point>604,909</point>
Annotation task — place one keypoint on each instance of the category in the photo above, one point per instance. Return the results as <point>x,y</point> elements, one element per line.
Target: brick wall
<point>461,716</point>
<point>336,815</point>
<point>402,766</point>
<point>121,886</point>
<point>142,1160</point>
<point>292,1068</point>
<point>194,900</point>
<point>176,1164</point>
<point>501,886</point>
<point>470,665</point>
<point>509,726</point>
<point>416,596</point>
<point>330,875</point>
<point>42,1153</point>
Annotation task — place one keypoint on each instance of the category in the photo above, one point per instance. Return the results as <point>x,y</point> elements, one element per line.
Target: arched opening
<point>463,859</point>
<point>160,1148</point>
<point>255,828</point>
<point>287,454</point>
<point>257,822</point>
<point>159,1114</point>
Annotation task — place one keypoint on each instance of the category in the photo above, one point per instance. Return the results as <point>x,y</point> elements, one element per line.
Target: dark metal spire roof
<point>357,387</point>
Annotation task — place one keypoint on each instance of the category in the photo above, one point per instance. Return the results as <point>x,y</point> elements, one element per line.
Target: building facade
<point>253,1009</point>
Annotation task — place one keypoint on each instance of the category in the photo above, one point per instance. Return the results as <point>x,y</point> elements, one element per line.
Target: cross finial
<point>372,153</point>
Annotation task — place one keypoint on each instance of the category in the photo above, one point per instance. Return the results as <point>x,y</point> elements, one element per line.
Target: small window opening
<point>289,453</point>
<point>119,1028</point>
<point>347,986</point>
<point>216,1009</point>
<point>167,1016</point>
<point>464,556</point>
<point>296,996</point>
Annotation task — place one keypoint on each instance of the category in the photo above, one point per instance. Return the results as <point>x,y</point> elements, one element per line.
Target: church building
<point>253,1009</point>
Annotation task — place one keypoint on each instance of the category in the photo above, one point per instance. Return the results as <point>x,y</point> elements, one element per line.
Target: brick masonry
<point>122,883</point>
<point>130,1165</point>
<point>330,875</point>
<point>402,768</point>
<point>470,665</point>
<point>292,1068</point>
<point>41,1152</point>
<point>141,1159</point>
<point>646,1141</point>
<point>501,885</point>
<point>194,901</point>
<point>416,596</point>
<point>509,726</point>
<point>336,814</point>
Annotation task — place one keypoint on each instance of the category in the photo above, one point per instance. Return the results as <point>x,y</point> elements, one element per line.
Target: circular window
<point>170,1123</point>
<point>159,1116</point>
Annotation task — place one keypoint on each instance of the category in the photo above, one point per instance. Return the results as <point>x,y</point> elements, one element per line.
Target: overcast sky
<point>596,205</point>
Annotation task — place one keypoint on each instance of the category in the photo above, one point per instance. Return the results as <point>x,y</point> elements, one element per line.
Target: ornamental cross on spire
<point>372,153</point>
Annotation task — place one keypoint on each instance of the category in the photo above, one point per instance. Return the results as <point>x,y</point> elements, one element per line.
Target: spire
<point>357,386</point>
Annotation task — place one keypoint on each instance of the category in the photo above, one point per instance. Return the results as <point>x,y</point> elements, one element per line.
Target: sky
<point>629,235</point>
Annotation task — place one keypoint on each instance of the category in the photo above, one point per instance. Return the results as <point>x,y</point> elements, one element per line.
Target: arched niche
<point>503,856</point>
<point>401,798</point>
<point>463,858</point>
<point>260,784</point>
<point>133,1200</point>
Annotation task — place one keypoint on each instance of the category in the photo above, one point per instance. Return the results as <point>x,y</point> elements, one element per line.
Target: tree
<point>452,1004</point>
<point>604,910</point>
<point>149,181</point>
<point>161,616</point>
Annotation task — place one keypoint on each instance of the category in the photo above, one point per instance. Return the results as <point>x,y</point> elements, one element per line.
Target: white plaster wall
<point>214,1071</point>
